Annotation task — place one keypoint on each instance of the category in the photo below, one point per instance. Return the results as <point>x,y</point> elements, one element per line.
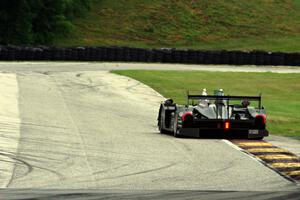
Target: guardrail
<point>126,54</point>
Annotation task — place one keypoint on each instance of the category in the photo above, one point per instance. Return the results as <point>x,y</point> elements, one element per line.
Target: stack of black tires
<point>164,55</point>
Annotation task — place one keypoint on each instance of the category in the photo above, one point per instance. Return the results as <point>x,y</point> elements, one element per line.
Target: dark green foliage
<point>76,8</point>
<point>38,21</point>
<point>15,22</point>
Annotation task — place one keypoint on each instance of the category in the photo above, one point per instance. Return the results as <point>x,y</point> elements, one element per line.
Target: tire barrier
<point>164,55</point>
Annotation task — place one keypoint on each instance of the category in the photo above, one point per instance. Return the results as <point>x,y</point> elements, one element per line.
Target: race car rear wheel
<point>160,124</point>
<point>258,138</point>
<point>175,129</point>
<point>161,130</point>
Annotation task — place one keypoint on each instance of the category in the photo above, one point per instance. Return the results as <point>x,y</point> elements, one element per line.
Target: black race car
<point>211,115</point>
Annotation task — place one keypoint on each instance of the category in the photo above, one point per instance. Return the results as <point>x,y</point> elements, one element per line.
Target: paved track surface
<point>289,144</point>
<point>146,194</point>
<point>97,66</point>
<point>77,129</point>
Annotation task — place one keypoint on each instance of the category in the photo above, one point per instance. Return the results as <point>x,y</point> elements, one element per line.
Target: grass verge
<point>280,91</point>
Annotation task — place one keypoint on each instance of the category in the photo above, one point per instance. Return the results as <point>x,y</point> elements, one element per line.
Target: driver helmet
<point>245,103</point>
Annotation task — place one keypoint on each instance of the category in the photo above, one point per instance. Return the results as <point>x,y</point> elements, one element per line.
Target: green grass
<point>281,92</point>
<point>272,25</point>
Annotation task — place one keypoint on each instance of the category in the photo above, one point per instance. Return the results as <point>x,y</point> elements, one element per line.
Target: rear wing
<point>225,97</point>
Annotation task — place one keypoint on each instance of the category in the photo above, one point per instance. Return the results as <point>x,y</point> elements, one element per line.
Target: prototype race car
<point>214,115</point>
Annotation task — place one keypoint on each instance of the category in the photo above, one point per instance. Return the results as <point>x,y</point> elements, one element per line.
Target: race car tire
<point>175,128</point>
<point>161,130</point>
<point>160,127</point>
<point>258,138</point>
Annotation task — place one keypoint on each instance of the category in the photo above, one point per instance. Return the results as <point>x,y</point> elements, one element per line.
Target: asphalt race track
<point>64,127</point>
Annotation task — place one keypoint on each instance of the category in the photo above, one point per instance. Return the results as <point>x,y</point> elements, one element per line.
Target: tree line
<point>38,21</point>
